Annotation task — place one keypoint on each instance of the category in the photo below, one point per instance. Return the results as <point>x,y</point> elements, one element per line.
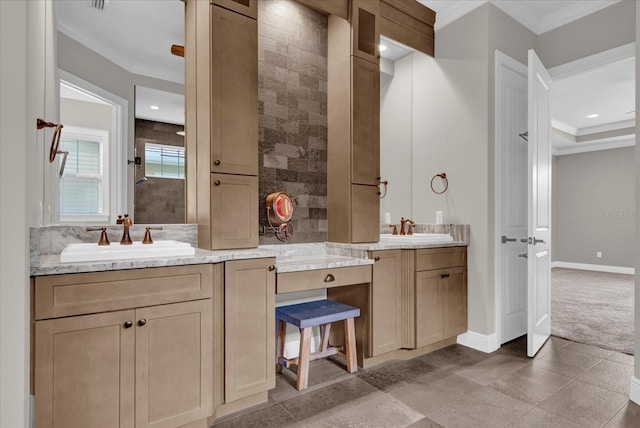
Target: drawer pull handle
<point>376,258</point>
<point>128,324</point>
<point>272,267</point>
<point>142,322</point>
<point>329,278</point>
<point>217,182</point>
<point>217,162</point>
<point>444,275</point>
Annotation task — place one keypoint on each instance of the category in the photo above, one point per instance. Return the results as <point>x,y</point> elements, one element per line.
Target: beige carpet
<point>595,308</point>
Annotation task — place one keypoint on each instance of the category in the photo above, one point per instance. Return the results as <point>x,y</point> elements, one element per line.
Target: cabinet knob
<point>128,324</point>
<point>272,267</point>
<point>217,182</point>
<point>217,162</point>
<point>376,258</point>
<point>329,278</point>
<point>142,322</point>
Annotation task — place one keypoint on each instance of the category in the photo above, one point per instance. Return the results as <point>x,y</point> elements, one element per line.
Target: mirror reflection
<point>110,59</point>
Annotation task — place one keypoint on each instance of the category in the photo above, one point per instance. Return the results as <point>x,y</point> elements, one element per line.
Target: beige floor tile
<point>619,357</point>
<point>425,398</point>
<point>538,418</point>
<point>532,384</point>
<point>484,407</point>
<point>551,345</point>
<point>567,362</point>
<point>627,417</point>
<point>610,375</point>
<point>585,404</point>
<point>380,412</point>
<point>492,369</point>
<point>589,349</point>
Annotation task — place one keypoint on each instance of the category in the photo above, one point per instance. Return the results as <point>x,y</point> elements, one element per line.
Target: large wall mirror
<point>397,79</point>
<point>122,105</point>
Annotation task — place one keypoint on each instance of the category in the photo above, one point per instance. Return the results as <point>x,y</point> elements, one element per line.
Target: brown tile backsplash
<point>292,94</point>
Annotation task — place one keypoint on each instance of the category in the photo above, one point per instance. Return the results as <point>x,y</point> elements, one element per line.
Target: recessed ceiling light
<point>382,48</point>
<point>592,116</point>
<point>154,107</point>
<point>180,133</point>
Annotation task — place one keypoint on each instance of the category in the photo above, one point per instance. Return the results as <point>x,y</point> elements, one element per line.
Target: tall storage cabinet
<point>386,302</point>
<point>222,122</point>
<point>354,124</point>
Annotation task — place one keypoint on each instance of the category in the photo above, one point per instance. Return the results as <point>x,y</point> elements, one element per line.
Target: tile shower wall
<point>158,200</point>
<point>292,79</point>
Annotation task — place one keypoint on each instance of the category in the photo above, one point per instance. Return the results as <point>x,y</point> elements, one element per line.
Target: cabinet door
<point>174,364</point>
<point>429,326</point>
<point>234,211</point>
<point>84,371</point>
<point>454,301</point>
<point>234,97</point>
<point>249,300</point>
<point>386,302</point>
<point>246,7</point>
<point>365,132</point>
<point>365,24</point>
<point>365,214</point>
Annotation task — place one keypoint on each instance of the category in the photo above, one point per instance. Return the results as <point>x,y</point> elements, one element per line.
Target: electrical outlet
<point>599,254</point>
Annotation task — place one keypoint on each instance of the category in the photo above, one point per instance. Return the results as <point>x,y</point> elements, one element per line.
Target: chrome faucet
<point>403,221</point>
<point>127,223</point>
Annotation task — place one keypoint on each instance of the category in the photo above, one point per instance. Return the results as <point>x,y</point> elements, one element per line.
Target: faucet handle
<point>410,228</point>
<point>104,239</point>
<point>147,235</point>
<point>395,229</point>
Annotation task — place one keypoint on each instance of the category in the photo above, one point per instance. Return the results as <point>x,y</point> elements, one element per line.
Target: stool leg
<point>326,332</point>
<point>303,358</point>
<point>282,332</point>
<point>350,345</point>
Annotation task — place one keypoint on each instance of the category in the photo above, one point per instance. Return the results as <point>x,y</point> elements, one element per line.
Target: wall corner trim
<point>634,390</point>
<point>482,342</point>
<point>597,268</point>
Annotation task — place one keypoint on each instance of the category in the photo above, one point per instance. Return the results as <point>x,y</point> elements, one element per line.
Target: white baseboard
<point>634,390</point>
<point>598,268</point>
<point>481,342</point>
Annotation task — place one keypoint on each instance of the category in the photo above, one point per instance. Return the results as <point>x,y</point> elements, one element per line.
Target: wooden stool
<point>305,316</point>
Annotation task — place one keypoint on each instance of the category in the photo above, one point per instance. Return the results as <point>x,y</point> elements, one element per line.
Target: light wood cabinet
<point>234,211</point>
<point>440,294</point>
<point>386,302</point>
<point>365,27</point>
<point>139,367</point>
<point>234,97</point>
<point>365,147</point>
<point>365,215</point>
<point>246,7</point>
<point>249,328</point>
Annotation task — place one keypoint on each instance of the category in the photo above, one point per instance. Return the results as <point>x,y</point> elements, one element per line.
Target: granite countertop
<point>379,246</point>
<point>322,261</point>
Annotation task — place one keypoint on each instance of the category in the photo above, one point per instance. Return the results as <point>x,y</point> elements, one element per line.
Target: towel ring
<point>439,183</point>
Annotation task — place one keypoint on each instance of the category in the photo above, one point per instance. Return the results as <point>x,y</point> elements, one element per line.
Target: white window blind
<point>162,160</point>
<point>83,187</point>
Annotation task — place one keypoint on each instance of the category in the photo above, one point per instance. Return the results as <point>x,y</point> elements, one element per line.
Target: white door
<point>539,207</point>
<point>511,158</point>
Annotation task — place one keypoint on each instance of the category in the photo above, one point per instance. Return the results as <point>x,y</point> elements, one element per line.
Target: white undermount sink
<point>417,238</point>
<point>115,251</point>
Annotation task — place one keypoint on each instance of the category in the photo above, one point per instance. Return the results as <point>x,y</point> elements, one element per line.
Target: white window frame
<point>78,133</point>
<point>161,146</point>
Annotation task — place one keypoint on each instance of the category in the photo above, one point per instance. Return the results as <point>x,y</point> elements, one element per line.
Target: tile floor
<point>567,384</point>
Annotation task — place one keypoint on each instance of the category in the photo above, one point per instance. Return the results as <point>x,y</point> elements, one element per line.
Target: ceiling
<point>137,35</point>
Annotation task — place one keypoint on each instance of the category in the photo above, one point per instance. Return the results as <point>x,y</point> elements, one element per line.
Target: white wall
<point>395,140</point>
<point>14,284</point>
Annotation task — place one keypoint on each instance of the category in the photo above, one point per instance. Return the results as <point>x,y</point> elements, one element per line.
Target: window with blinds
<point>84,187</point>
<point>164,161</point>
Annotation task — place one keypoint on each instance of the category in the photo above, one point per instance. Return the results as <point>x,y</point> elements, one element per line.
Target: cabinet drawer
<point>322,278</point>
<point>440,258</point>
<point>85,293</point>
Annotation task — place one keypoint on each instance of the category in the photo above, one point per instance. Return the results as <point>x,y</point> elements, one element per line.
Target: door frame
<point>557,73</point>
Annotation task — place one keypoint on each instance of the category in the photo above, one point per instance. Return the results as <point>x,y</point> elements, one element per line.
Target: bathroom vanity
<point>181,341</point>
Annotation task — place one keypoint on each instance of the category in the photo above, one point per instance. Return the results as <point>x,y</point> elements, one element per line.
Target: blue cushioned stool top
<point>315,313</point>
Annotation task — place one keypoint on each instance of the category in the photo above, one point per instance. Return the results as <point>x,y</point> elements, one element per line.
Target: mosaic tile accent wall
<point>158,200</point>
<point>292,94</point>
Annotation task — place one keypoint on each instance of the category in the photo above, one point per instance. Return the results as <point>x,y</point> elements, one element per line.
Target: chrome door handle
<point>504,239</point>
<point>524,255</point>
<point>538,241</point>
